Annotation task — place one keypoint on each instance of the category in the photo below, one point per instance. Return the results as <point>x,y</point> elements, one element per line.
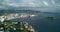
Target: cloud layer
<point>29,3</point>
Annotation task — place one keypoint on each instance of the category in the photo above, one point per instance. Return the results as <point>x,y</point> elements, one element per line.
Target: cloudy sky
<point>29,3</point>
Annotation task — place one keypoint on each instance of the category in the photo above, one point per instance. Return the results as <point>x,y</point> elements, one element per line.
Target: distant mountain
<point>17,11</point>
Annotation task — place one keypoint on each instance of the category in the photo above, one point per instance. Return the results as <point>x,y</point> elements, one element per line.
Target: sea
<point>43,22</point>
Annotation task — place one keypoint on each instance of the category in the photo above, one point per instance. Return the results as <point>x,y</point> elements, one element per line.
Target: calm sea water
<point>44,24</point>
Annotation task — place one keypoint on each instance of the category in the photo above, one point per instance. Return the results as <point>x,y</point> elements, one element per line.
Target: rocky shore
<point>9,26</point>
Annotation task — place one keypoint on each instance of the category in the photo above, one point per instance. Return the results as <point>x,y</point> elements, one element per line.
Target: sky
<point>29,3</point>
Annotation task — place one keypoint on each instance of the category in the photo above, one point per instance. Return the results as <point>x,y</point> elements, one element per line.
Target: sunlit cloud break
<point>45,3</point>
<point>53,2</point>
